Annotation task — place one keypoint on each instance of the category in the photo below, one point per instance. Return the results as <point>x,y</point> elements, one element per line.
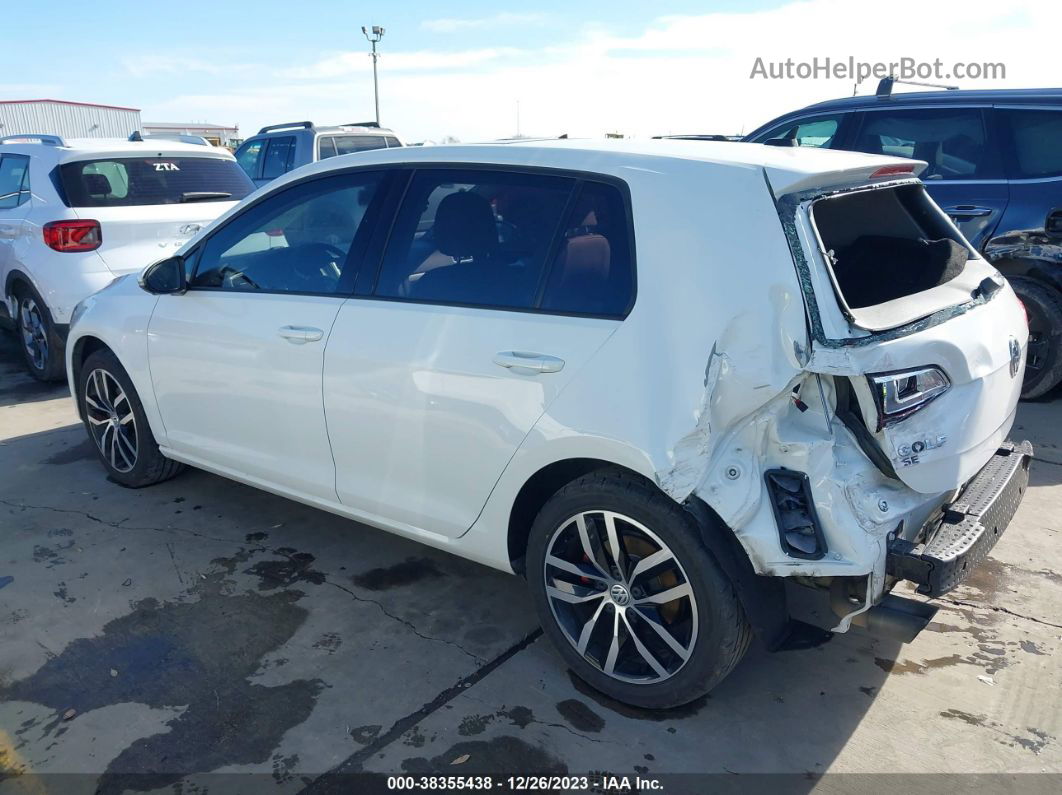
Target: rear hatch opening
<point>893,256</point>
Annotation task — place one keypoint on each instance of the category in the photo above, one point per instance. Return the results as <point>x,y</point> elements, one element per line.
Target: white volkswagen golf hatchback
<point>76,213</point>
<point>657,380</point>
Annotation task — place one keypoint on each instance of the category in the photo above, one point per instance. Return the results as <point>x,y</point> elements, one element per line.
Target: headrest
<point>97,184</point>
<point>465,227</point>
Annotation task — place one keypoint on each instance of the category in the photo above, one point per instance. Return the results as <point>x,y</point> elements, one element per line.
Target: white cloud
<point>681,74</point>
<point>504,19</point>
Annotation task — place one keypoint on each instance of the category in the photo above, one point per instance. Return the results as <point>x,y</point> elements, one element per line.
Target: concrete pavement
<point>201,626</point>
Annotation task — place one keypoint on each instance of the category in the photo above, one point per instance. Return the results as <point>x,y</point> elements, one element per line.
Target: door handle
<point>300,335</point>
<point>968,211</point>
<point>530,363</point>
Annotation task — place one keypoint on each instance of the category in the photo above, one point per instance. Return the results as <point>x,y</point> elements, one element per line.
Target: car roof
<point>71,149</point>
<point>788,167</point>
<point>297,128</point>
<point>1001,96</point>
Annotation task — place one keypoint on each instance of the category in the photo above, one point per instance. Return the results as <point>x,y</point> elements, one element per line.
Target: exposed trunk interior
<point>887,243</point>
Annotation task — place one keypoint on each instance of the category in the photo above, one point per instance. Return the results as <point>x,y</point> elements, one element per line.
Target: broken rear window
<point>887,243</point>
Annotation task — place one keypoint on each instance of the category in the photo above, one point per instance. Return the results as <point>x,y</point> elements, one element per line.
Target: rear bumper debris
<point>951,548</point>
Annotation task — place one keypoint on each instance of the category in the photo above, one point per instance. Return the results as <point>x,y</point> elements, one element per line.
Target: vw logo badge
<point>620,595</point>
<point>1015,357</point>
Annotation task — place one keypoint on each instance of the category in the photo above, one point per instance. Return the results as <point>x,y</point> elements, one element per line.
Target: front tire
<point>115,420</point>
<point>629,595</point>
<point>41,346</point>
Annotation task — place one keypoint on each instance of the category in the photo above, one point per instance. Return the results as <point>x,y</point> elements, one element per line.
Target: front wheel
<point>116,423</point>
<point>629,595</point>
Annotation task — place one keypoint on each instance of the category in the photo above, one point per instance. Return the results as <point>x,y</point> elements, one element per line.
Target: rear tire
<point>607,621</point>
<point>41,346</point>
<point>1043,363</point>
<point>115,421</point>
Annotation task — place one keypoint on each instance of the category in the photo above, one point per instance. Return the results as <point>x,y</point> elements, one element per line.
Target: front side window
<point>14,181</point>
<point>137,181</point>
<point>817,132</point>
<point>474,237</point>
<point>1037,137</point>
<point>279,157</point>
<point>952,142</point>
<point>248,156</point>
<point>299,240</point>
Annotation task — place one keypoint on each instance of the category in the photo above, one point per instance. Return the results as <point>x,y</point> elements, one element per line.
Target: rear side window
<point>345,144</point>
<point>279,157</point>
<point>299,240</point>
<point>14,181</point>
<point>1037,139</point>
<point>511,241</point>
<point>592,273</point>
<point>249,155</point>
<point>129,182</point>
<point>951,141</point>
<point>818,132</point>
<point>474,237</point>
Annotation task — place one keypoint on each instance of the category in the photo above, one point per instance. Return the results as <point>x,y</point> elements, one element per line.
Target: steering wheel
<point>316,261</point>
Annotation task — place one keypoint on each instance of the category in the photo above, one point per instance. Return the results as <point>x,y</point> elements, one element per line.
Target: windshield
<point>135,181</point>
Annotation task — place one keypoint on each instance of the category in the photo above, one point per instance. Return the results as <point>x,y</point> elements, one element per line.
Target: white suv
<point>656,380</point>
<point>75,214</point>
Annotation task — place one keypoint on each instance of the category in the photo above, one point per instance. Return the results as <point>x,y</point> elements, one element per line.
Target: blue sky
<point>461,68</point>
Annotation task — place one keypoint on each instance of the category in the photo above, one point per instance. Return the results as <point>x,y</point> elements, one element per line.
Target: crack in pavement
<point>409,624</point>
<point>330,781</point>
<point>121,525</point>
<point>1008,611</point>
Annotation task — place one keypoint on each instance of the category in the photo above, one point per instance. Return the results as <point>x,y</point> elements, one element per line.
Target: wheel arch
<point>84,347</point>
<point>762,598</point>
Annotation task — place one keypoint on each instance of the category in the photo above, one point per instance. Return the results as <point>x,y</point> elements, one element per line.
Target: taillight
<point>899,395</point>
<point>1024,312</point>
<point>73,235</point>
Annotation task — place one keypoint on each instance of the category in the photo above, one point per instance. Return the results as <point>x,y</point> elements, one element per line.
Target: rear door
<point>148,207</point>
<point>236,361</point>
<point>965,172</point>
<point>495,288</point>
<point>14,204</point>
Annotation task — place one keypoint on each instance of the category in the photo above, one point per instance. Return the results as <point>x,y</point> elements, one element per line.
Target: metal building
<point>68,119</point>
<point>216,134</point>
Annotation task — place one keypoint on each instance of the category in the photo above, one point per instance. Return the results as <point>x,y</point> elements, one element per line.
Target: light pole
<point>374,34</point>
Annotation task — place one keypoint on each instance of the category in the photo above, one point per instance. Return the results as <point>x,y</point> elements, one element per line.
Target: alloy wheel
<point>34,333</point>
<point>620,596</point>
<point>111,420</point>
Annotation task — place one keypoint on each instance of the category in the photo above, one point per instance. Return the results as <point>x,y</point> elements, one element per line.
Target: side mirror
<point>165,277</point>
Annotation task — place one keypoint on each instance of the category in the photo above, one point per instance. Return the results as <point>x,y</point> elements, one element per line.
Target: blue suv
<point>995,166</point>
<point>279,148</point>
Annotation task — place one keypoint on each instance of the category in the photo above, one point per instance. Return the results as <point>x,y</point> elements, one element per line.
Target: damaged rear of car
<point>916,352</point>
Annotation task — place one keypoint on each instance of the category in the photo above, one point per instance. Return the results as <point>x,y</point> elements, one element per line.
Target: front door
<point>496,287</point>
<point>236,361</point>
